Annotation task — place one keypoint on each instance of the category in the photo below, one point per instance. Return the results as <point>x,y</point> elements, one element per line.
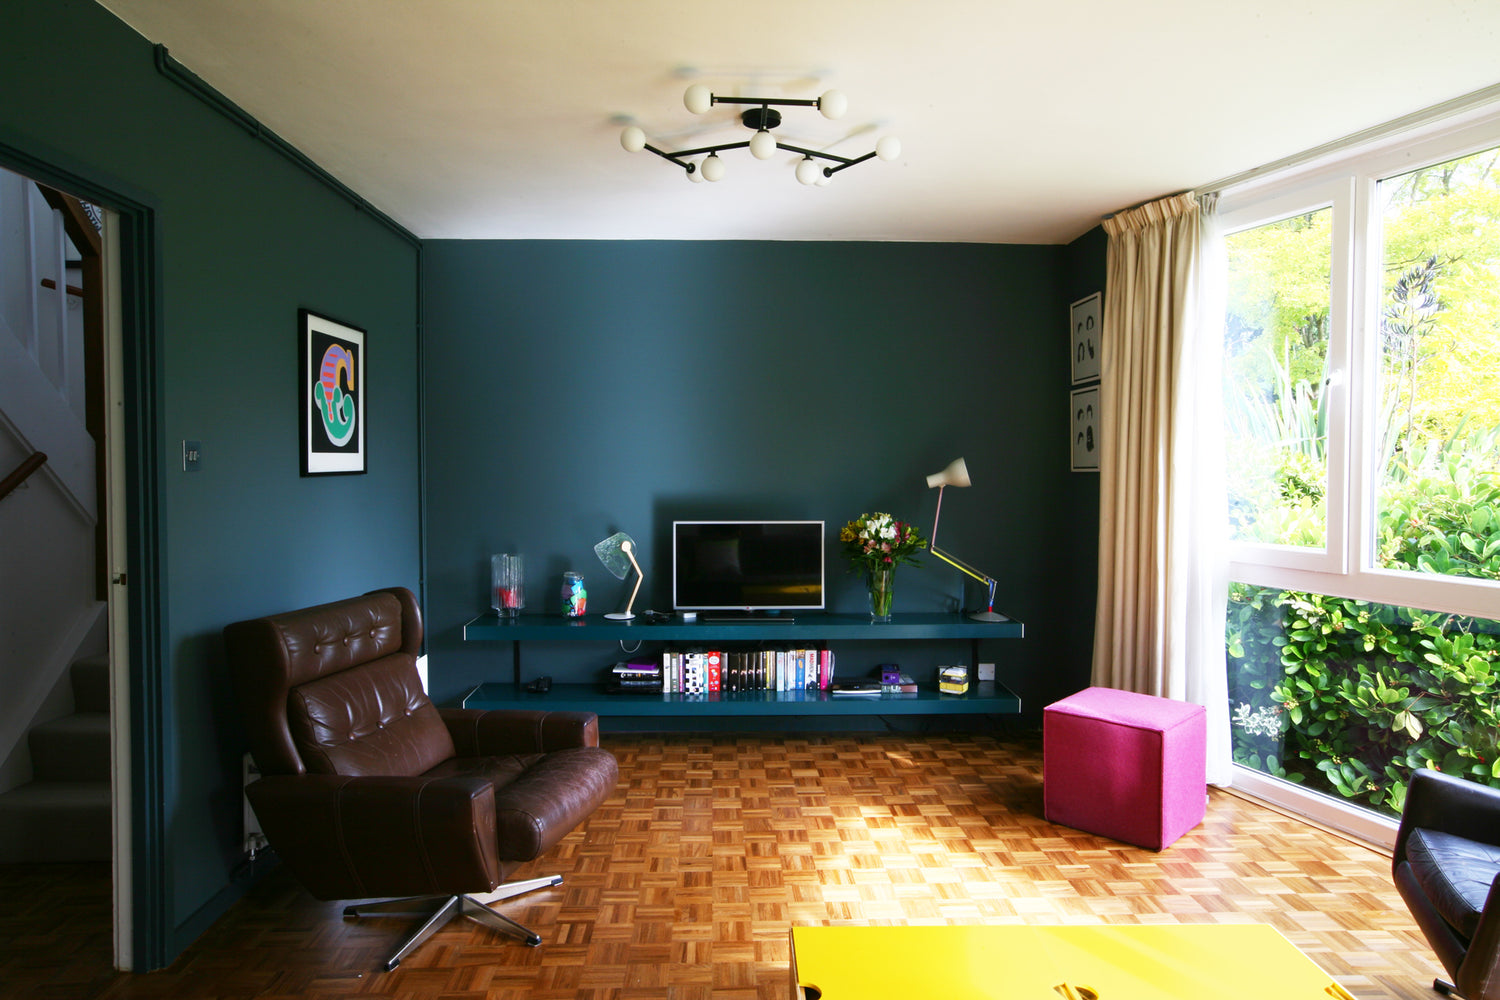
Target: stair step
<point>74,748</point>
<point>48,821</point>
<point>90,678</point>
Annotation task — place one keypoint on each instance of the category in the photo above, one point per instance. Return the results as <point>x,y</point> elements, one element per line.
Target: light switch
<point>192,456</point>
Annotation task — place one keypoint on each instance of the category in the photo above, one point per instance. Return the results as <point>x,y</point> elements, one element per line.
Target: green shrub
<point>1348,697</point>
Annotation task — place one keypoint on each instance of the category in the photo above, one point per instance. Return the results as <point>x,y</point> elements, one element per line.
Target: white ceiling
<point>1021,122</point>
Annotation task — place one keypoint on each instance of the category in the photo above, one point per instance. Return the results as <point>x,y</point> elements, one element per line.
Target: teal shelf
<point>986,698</point>
<point>807,625</point>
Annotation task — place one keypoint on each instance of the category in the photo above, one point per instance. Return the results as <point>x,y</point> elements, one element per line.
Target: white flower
<point>1258,721</point>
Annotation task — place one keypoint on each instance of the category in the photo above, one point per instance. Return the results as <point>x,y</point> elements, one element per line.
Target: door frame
<point>140,914</point>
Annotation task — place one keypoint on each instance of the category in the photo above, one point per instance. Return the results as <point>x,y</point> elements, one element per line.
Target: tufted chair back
<point>334,689</point>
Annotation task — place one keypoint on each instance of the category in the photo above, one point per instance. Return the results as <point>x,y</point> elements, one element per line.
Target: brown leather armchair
<point>369,790</point>
<point>1445,865</point>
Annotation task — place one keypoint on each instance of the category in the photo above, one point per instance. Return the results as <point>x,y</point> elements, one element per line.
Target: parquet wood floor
<point>684,883</point>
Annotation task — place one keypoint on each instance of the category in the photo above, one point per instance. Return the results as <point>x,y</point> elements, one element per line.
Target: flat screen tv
<point>747,566</point>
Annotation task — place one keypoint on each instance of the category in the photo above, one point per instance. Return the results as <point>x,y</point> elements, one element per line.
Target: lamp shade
<point>712,167</point>
<point>698,99</point>
<point>833,104</point>
<point>808,170</point>
<point>888,148</point>
<point>956,474</point>
<point>633,139</point>
<point>763,145</point>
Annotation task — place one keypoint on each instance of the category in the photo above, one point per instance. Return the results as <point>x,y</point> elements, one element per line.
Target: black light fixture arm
<point>674,157</point>
<point>843,161</point>
<point>765,101</point>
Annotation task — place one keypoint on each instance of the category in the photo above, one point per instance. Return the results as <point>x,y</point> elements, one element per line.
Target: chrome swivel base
<point>475,906</point>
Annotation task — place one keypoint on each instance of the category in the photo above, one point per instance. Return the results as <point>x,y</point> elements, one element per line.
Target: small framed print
<point>332,394</point>
<point>1086,320</point>
<point>1085,424</point>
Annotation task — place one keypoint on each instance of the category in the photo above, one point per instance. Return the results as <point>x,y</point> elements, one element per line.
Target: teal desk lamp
<point>617,553</point>
<point>957,474</point>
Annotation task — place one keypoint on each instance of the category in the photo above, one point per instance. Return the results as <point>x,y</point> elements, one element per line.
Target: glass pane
<point>1275,352</point>
<point>1438,430</point>
<point>1347,697</point>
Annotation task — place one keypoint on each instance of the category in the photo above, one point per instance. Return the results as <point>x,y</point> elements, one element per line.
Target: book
<point>693,673</point>
<point>953,680</point>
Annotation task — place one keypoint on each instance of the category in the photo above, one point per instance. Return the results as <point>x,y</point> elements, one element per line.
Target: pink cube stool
<point>1124,765</point>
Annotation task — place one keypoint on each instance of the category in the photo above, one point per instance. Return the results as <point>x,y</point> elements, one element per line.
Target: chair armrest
<point>358,837</point>
<point>1478,977</point>
<point>496,732</point>
<point>1437,801</point>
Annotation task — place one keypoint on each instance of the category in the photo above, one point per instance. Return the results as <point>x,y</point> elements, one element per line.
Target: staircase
<point>62,814</point>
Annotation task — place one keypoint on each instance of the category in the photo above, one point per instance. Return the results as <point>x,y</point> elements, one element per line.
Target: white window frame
<point>1272,207</point>
<point>1347,179</point>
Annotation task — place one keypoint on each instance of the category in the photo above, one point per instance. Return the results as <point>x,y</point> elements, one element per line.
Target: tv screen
<point>747,565</point>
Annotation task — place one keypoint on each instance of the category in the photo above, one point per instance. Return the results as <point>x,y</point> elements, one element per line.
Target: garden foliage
<point>1349,697</point>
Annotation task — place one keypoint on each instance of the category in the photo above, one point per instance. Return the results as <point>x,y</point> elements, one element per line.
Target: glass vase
<point>507,584</point>
<point>882,584</point>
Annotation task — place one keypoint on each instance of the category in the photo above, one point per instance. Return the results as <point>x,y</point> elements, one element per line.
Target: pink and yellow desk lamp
<point>957,474</point>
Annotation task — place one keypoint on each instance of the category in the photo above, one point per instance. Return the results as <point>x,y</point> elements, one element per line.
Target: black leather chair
<point>368,789</point>
<point>1446,860</point>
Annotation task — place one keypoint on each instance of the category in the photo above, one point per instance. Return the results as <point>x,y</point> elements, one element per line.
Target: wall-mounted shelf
<point>818,627</point>
<point>987,698</point>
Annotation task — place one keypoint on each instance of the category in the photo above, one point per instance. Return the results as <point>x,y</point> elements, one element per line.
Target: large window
<point>1437,417</point>
<point>1362,430</point>
<point>1276,359</point>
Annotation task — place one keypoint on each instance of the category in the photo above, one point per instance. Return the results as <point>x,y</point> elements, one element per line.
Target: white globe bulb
<point>696,174</point>
<point>712,168</point>
<point>808,171</point>
<point>888,148</point>
<point>763,145</point>
<point>833,104</point>
<point>698,98</point>
<point>633,139</point>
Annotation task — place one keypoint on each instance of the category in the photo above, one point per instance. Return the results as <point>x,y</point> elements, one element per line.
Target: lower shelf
<point>985,698</point>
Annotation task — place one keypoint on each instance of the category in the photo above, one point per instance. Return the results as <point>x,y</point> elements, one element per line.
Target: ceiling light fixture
<point>761,119</point>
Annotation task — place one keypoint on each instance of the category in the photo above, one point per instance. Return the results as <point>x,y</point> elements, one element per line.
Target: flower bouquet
<point>875,544</point>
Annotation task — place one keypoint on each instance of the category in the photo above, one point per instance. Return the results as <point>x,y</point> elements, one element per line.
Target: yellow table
<point>1124,962</point>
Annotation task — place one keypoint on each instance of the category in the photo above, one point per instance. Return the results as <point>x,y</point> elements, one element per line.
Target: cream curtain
<point>1159,628</point>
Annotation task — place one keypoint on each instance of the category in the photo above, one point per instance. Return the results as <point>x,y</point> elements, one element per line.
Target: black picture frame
<point>333,396</point>
<point>1086,319</point>
<point>1084,424</point>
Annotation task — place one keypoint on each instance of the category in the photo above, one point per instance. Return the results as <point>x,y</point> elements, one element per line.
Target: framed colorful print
<point>332,393</point>
<point>1085,424</point>
<point>1086,321</point>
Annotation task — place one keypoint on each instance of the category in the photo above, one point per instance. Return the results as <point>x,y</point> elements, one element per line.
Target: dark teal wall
<point>1085,270</point>
<point>245,239</point>
<point>579,388</point>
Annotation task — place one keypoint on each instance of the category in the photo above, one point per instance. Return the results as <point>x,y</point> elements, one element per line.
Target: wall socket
<point>192,455</point>
<point>986,671</point>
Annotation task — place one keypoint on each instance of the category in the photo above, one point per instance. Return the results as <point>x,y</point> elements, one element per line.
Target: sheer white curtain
<point>1159,628</point>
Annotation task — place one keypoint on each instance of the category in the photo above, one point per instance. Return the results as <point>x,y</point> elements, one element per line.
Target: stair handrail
<point>19,474</point>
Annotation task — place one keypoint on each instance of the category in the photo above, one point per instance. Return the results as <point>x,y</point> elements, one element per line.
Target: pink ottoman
<point>1124,765</point>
